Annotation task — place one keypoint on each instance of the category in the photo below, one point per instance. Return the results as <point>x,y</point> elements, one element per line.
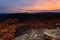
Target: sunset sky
<point>14,6</point>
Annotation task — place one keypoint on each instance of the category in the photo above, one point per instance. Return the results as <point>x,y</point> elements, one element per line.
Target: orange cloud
<point>47,5</point>
<point>42,5</point>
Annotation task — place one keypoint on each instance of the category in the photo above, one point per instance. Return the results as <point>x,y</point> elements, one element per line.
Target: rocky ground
<point>10,27</point>
<point>40,34</point>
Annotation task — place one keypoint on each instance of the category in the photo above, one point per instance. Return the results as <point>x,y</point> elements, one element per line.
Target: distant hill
<point>40,15</point>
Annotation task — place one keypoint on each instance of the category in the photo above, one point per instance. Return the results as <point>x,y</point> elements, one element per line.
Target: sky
<point>14,6</point>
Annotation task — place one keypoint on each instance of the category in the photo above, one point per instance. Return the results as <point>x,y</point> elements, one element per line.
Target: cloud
<point>13,4</point>
<point>28,5</point>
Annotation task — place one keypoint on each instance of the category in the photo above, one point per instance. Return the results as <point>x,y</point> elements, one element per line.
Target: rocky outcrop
<point>9,26</point>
